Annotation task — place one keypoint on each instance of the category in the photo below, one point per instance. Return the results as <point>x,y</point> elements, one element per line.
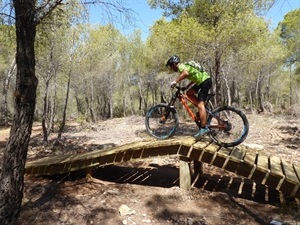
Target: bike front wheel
<point>228,126</point>
<point>161,121</point>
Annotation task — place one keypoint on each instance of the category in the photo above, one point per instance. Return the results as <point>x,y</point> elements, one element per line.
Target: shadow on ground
<point>167,176</point>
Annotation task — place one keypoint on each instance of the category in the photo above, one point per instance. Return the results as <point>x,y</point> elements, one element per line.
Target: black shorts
<point>203,89</point>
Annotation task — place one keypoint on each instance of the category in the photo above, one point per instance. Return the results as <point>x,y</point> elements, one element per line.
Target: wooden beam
<point>184,173</point>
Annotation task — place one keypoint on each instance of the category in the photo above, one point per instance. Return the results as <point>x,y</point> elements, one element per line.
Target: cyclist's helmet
<point>174,59</point>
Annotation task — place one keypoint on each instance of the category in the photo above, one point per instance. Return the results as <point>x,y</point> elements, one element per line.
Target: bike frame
<point>183,98</point>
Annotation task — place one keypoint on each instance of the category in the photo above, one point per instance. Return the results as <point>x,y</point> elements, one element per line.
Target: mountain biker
<point>200,83</point>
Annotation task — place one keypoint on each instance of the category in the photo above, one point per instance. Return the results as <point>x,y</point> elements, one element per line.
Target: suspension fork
<point>167,112</point>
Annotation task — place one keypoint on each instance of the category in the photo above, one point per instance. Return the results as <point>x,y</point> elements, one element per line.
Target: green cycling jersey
<point>194,75</point>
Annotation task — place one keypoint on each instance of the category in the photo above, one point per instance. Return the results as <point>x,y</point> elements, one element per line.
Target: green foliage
<point>7,45</point>
<point>114,75</point>
<point>171,8</point>
<point>290,34</point>
<point>232,41</point>
<point>7,63</point>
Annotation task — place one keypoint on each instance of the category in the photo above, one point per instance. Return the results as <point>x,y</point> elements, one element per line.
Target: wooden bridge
<point>261,168</point>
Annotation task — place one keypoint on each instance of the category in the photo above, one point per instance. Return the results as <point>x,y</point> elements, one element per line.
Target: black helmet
<point>174,59</point>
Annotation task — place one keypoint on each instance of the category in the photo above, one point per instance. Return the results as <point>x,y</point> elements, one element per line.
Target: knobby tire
<point>161,121</point>
<point>236,123</point>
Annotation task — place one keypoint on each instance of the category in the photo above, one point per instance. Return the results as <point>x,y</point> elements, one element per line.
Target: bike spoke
<point>229,127</point>
<point>161,121</point>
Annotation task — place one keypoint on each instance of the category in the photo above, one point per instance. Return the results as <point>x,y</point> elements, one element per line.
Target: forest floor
<point>146,191</point>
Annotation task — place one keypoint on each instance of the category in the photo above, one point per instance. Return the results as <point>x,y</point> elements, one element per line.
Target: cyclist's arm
<point>182,76</point>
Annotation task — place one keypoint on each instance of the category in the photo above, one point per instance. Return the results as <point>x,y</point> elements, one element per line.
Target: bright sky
<point>281,8</point>
<point>145,16</point>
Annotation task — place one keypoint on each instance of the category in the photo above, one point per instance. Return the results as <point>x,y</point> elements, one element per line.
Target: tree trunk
<point>15,153</point>
<point>79,105</point>
<point>142,100</point>
<point>4,110</point>
<point>45,113</point>
<point>251,100</point>
<point>63,122</point>
<point>110,89</point>
<point>132,109</point>
<point>48,109</point>
<point>217,77</point>
<point>90,109</point>
<point>259,93</point>
<point>227,88</point>
<point>124,105</point>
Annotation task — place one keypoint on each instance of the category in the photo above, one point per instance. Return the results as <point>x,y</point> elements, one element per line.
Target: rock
<point>125,210</point>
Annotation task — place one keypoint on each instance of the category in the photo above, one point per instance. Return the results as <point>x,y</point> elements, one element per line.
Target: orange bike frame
<point>183,98</point>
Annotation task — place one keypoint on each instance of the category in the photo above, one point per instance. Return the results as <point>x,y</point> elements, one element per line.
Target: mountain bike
<point>228,126</point>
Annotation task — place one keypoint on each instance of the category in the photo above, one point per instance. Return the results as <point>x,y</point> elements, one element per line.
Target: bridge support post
<point>198,171</point>
<point>89,172</point>
<point>184,173</point>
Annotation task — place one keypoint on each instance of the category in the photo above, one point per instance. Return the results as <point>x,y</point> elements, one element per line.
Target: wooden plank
<point>195,154</point>
<point>127,155</point>
<point>262,168</point>
<point>221,157</point>
<point>169,143</point>
<point>57,168</point>
<point>235,158</point>
<point>137,154</point>
<point>291,180</point>
<point>93,154</point>
<point>184,173</point>
<point>135,151</point>
<point>297,170</point>
<point>237,154</point>
<point>209,153</point>
<point>47,160</point>
<point>183,150</point>
<point>109,159</point>
<point>247,165</point>
<point>187,141</point>
<point>118,157</point>
<point>276,174</point>
<point>200,145</point>
<point>160,151</point>
<point>76,165</point>
<point>225,152</point>
<point>197,149</point>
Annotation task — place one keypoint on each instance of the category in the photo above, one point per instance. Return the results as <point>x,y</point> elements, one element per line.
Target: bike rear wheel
<point>228,126</point>
<point>161,121</point>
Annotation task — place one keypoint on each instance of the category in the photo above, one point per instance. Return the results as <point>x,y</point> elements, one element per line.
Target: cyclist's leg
<point>202,96</point>
<point>191,93</point>
<point>202,113</point>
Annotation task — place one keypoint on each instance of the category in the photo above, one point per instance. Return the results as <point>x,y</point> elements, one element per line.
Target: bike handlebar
<point>179,88</point>
<point>184,89</point>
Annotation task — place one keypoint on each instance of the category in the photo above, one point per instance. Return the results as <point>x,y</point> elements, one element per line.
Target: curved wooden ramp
<point>268,170</point>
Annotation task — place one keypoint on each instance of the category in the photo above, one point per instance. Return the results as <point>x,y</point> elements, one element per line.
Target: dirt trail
<point>146,191</point>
